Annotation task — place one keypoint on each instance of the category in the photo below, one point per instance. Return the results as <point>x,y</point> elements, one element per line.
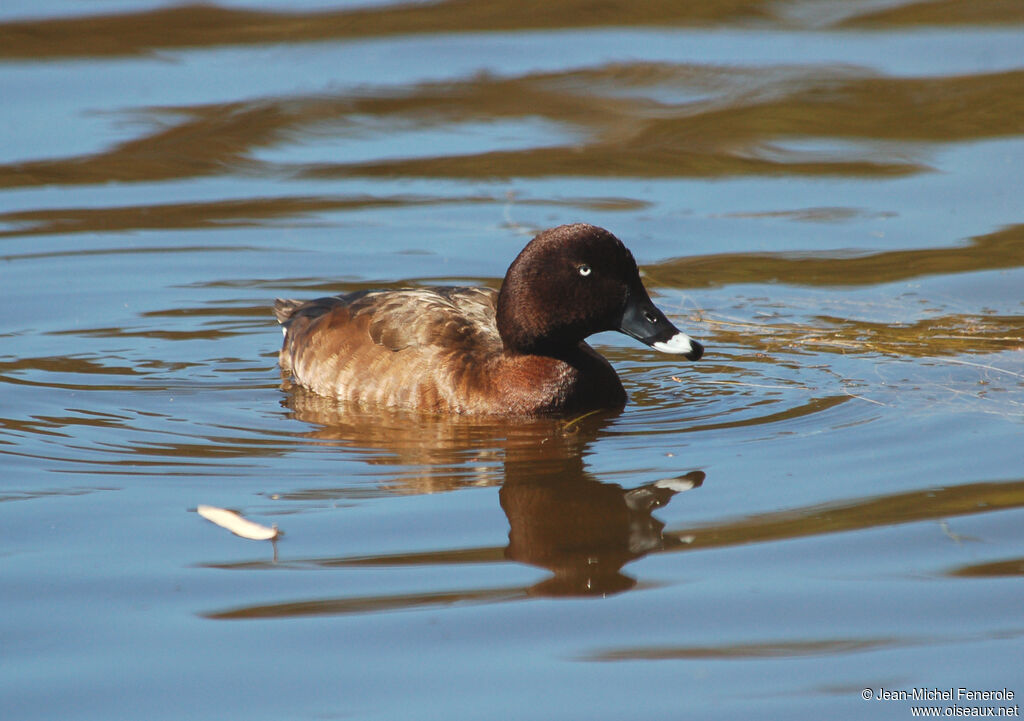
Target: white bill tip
<point>679,343</point>
<point>675,484</point>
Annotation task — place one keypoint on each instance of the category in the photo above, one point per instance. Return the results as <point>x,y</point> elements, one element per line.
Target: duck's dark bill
<point>643,320</point>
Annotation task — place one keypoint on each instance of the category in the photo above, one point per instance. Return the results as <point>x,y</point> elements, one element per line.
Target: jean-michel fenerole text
<point>944,694</point>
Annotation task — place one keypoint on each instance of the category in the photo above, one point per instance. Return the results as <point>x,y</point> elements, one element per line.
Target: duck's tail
<point>284,308</point>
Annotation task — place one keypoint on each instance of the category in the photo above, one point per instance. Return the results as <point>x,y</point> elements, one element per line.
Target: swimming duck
<point>517,351</point>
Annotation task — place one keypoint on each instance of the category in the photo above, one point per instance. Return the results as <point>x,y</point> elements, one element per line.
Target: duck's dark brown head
<point>573,281</point>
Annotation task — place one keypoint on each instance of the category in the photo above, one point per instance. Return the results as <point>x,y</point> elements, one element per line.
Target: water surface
<point>826,194</point>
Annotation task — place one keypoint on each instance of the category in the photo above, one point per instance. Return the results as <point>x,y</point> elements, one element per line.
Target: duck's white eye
<point>584,269</point>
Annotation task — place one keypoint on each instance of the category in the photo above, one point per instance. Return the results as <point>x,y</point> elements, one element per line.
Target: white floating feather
<point>236,524</point>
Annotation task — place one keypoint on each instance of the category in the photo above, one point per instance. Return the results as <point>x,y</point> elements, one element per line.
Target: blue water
<point>853,434</point>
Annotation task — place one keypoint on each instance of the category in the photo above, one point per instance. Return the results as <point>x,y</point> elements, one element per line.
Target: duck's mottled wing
<point>423,348</point>
<point>419,317</point>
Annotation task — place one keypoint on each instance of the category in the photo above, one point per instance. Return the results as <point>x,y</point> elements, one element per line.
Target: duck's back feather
<point>399,319</point>
<point>414,347</point>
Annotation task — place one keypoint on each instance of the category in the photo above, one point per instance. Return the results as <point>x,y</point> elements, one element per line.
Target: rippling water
<point>826,194</point>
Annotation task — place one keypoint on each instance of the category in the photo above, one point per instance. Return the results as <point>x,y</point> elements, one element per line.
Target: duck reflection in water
<point>582,530</point>
<point>561,518</point>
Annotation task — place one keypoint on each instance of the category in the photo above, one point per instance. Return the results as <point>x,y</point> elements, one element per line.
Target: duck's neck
<point>525,330</point>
